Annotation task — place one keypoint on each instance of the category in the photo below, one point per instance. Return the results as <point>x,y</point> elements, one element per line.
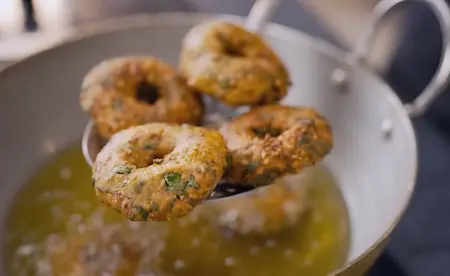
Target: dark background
<point>421,243</point>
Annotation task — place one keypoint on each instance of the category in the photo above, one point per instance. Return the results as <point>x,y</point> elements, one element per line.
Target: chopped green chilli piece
<point>172,179</point>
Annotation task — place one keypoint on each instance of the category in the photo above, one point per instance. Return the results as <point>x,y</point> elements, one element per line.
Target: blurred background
<point>406,54</point>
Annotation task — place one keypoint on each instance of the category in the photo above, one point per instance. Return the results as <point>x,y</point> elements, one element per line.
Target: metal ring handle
<point>260,14</point>
<point>441,77</point>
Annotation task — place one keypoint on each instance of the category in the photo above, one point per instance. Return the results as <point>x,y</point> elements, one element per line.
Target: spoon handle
<point>260,14</point>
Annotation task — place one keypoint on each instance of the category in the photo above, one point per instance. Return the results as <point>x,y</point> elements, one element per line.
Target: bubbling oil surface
<point>57,227</point>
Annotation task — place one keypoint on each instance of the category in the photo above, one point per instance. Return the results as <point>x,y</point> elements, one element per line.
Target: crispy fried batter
<point>159,171</point>
<point>128,91</point>
<point>233,65</point>
<point>274,140</point>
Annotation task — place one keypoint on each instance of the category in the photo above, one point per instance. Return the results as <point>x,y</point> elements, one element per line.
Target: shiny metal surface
<point>264,8</point>
<point>441,77</point>
<point>376,176</point>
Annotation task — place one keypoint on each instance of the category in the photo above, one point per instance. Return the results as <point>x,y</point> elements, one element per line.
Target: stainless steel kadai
<point>375,154</point>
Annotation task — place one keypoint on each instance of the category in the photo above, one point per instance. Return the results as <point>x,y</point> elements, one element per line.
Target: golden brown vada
<point>233,65</point>
<point>271,141</point>
<point>159,171</point>
<point>128,91</point>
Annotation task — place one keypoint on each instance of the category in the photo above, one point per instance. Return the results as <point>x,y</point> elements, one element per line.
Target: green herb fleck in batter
<point>304,139</point>
<point>143,212</point>
<point>191,183</point>
<point>172,179</point>
<point>121,169</point>
<point>252,166</point>
<point>173,183</point>
<point>117,104</point>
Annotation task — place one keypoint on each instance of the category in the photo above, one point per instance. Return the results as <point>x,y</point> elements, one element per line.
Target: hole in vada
<point>233,51</point>
<point>264,131</point>
<point>157,157</point>
<point>150,159</point>
<point>146,92</point>
<point>228,48</point>
<point>148,154</point>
